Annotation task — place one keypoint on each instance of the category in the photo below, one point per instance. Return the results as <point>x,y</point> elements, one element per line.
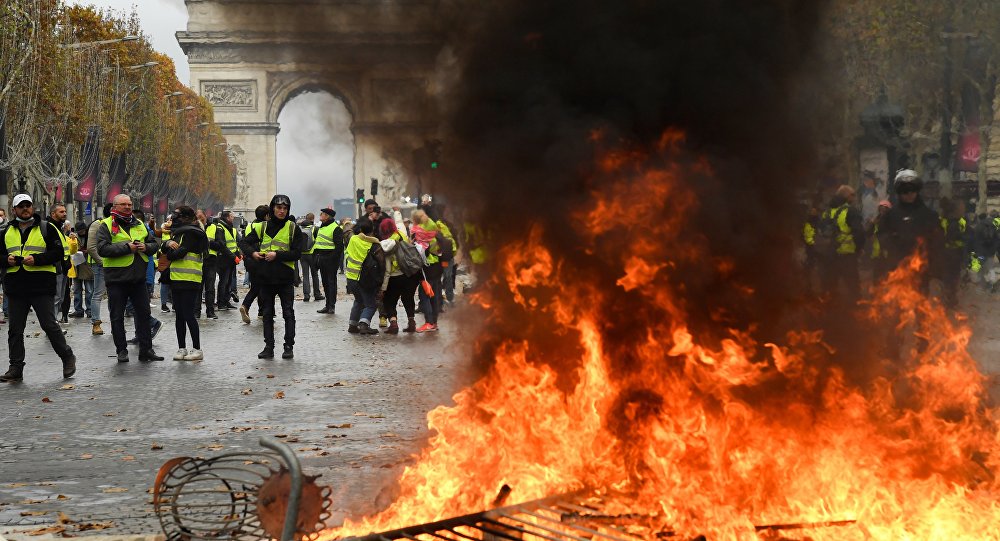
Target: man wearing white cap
<point>30,250</point>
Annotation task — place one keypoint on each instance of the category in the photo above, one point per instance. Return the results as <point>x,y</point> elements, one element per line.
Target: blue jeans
<point>165,294</point>
<point>98,294</point>
<point>431,307</point>
<point>363,309</point>
<point>83,291</point>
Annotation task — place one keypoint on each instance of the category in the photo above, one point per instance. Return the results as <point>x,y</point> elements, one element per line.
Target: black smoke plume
<point>536,80</point>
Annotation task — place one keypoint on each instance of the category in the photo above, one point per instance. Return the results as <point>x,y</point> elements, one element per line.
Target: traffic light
<point>374,187</point>
<point>434,152</point>
<point>361,196</point>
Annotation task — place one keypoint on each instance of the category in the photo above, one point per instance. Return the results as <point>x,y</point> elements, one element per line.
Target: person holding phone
<point>125,245</point>
<point>30,250</point>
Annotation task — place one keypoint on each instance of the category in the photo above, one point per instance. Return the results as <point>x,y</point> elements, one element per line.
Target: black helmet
<point>280,199</point>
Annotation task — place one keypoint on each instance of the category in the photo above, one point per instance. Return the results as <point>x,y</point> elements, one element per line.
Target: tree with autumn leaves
<point>70,71</point>
<point>937,60</point>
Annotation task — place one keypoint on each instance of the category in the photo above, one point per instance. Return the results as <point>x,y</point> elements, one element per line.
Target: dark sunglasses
<point>23,205</point>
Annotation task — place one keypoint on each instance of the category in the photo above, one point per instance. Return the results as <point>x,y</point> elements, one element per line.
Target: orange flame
<point>708,438</point>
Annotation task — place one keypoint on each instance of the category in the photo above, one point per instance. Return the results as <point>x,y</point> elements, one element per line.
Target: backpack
<point>827,232</point>
<point>308,241</point>
<point>447,247</point>
<point>372,268</point>
<point>408,258</point>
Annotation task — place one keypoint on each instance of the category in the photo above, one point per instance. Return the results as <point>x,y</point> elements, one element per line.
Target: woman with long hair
<point>186,251</point>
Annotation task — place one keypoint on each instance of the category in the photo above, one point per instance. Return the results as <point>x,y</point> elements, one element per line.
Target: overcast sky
<point>315,146</point>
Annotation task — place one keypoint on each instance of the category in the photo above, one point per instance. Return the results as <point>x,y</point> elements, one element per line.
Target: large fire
<point>707,437</point>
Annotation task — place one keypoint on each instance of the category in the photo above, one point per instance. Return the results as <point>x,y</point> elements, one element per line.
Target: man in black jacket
<point>329,252</point>
<point>260,218</point>
<point>30,250</point>
<point>275,249</point>
<point>225,238</point>
<point>910,226</point>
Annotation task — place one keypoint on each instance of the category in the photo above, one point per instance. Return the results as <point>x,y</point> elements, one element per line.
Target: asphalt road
<point>90,447</point>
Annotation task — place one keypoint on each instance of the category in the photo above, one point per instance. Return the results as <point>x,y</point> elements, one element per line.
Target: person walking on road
<point>251,264</point>
<point>310,272</point>
<point>126,246</point>
<point>186,250</point>
<point>364,288</point>
<point>225,262</point>
<point>329,251</point>
<point>96,265</point>
<point>276,248</point>
<point>29,253</point>
<point>57,217</point>
<point>400,286</point>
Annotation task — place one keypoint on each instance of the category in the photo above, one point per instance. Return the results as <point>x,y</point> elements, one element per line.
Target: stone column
<point>253,149</point>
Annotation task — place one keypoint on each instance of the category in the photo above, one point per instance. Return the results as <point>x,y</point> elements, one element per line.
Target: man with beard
<point>125,245</point>
<point>57,217</point>
<point>276,248</point>
<point>329,251</point>
<point>910,225</point>
<point>225,236</point>
<point>30,250</point>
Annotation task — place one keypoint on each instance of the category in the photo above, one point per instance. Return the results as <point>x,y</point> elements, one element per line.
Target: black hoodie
<point>23,284</point>
<point>274,272</point>
<point>905,226</point>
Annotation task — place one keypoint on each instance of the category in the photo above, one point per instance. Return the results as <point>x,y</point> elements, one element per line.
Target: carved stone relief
<point>239,158</point>
<point>241,95</point>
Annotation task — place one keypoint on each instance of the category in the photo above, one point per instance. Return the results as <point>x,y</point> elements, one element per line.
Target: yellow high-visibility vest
<point>34,245</point>
<point>138,232</point>
<point>357,251</point>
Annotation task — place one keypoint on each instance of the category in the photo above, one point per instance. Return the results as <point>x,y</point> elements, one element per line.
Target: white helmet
<point>907,180</point>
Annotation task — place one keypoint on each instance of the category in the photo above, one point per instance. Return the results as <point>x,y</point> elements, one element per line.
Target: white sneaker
<point>180,355</point>
<point>194,355</point>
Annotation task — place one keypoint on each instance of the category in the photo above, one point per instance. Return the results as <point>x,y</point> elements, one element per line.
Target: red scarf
<point>125,218</point>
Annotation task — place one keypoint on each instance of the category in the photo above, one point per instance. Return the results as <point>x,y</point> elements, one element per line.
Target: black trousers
<point>841,269</point>
<point>254,291</point>
<point>118,295</point>
<point>400,287</point>
<point>209,272</point>
<point>328,263</point>
<point>186,301</point>
<point>44,306</point>
<point>286,293</point>
<point>224,269</point>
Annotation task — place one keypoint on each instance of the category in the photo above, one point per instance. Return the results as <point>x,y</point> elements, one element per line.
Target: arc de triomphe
<point>250,57</point>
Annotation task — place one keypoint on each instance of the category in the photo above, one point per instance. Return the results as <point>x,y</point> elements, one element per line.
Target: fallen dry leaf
<point>86,456</point>
<point>306,449</point>
<point>46,400</point>
<point>47,530</point>
<point>279,394</point>
<point>67,387</point>
<point>15,485</point>
<point>270,376</point>
<point>155,446</point>
<point>360,414</point>
<point>128,458</point>
<point>94,526</point>
<point>30,502</point>
<point>247,391</point>
<point>345,425</point>
<point>121,429</point>
<point>62,497</point>
<point>376,416</point>
<point>216,447</point>
<point>63,518</point>
<point>281,435</point>
<point>114,490</point>
<point>322,453</point>
<point>109,414</point>
<point>33,513</point>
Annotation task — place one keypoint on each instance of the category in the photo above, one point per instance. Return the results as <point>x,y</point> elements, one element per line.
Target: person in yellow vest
<point>310,272</point>
<point>97,266</point>
<point>329,252</point>
<point>954,256</point>
<point>366,289</point>
<point>57,217</point>
<point>251,265</point>
<point>276,248</point>
<point>30,250</point>
<point>126,246</point>
<point>841,267</point>
<point>424,233</point>
<point>225,261</point>
<point>185,250</point>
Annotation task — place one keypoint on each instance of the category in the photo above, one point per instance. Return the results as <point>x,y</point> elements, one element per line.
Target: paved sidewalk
<point>354,409</point>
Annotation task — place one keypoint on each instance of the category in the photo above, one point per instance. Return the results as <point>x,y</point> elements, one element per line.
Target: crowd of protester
<point>61,271</point>
<point>955,245</point>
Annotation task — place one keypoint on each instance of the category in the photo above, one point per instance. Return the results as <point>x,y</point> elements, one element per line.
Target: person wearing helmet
<point>910,225</point>
<point>275,247</point>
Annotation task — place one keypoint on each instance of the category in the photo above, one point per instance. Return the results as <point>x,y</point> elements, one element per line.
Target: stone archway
<point>250,57</point>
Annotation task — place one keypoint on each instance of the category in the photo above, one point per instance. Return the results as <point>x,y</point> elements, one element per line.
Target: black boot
<point>149,355</point>
<point>288,353</point>
<point>210,314</point>
<point>364,328</point>
<point>69,366</point>
<point>267,353</point>
<point>14,373</point>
